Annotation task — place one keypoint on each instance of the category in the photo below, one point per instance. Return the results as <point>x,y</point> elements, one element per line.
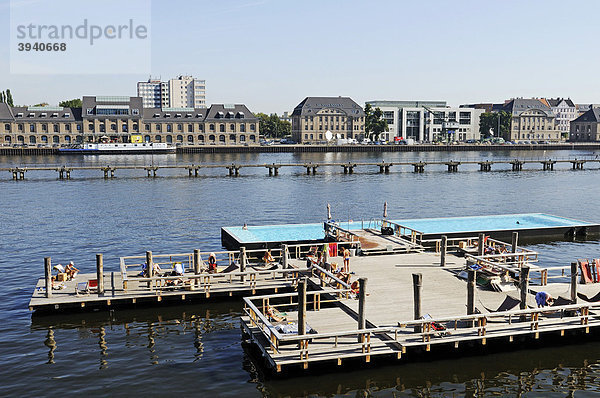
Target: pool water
<point>428,226</point>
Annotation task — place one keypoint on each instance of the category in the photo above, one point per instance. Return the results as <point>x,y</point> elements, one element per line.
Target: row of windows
<point>44,139</point>
<point>56,127</point>
<point>312,136</point>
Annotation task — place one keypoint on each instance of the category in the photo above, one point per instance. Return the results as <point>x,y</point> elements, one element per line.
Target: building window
<point>55,128</point>
<point>113,126</point>
<point>242,138</point>
<point>221,128</point>
<point>243,127</point>
<point>32,128</point>
<point>211,127</point>
<point>190,128</point>
<point>252,127</point>
<point>147,127</point>
<point>157,138</point>
<point>179,127</point>
<point>211,137</point>
<point>222,138</point>
<point>169,128</point>
<point>232,127</point>
<point>190,138</point>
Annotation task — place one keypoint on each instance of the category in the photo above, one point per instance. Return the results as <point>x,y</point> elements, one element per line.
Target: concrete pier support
<point>485,166</point>
<point>419,167</point>
<point>548,164</point>
<point>577,164</point>
<point>517,165</point>
<point>452,166</point>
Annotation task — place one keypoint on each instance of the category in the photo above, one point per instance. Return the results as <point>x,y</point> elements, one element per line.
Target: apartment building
<point>532,119</point>
<point>586,127</point>
<point>180,92</point>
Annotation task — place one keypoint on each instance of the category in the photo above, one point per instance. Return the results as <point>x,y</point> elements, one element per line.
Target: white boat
<point>116,148</point>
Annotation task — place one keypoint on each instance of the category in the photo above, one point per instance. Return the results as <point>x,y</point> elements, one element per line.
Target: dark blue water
<point>196,349</point>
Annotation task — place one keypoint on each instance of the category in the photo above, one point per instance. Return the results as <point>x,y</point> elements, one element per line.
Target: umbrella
<point>385,209</point>
<point>328,211</point>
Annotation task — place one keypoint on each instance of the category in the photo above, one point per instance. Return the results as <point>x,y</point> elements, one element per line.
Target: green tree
<point>2,99</point>
<point>488,121</point>
<point>9,98</point>
<point>73,103</point>
<point>374,122</point>
<point>42,104</point>
<point>272,126</point>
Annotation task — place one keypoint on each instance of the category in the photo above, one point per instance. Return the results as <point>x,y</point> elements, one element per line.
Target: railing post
<point>515,240</point>
<point>243,260</point>
<point>480,244</point>
<point>417,283</point>
<point>196,261</point>
<point>149,266</point>
<point>471,283</point>
<point>443,251</point>
<point>48,275</point>
<point>325,253</point>
<point>574,275</point>
<point>524,286</point>
<point>284,256</point>
<point>302,307</point>
<point>100,273</point>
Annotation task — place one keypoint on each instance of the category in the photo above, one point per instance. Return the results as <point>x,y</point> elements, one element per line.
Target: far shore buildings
<point>586,127</point>
<point>124,119</point>
<point>182,91</point>
<point>532,118</point>
<point>565,111</point>
<point>428,121</point>
<point>315,116</point>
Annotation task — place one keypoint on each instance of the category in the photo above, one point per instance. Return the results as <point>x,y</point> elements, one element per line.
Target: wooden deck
<point>390,328</point>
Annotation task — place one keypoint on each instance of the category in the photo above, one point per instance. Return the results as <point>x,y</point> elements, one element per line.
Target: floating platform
<point>529,225</point>
<point>333,317</point>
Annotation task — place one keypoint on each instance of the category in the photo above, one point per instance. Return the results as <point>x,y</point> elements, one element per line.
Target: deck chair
<point>86,287</point>
<point>59,267</point>
<point>231,268</point>
<point>440,329</point>
<point>560,300</point>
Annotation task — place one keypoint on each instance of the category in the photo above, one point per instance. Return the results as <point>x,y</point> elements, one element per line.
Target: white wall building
<point>187,92</point>
<point>181,92</point>
<point>154,93</point>
<point>428,121</point>
<point>565,111</point>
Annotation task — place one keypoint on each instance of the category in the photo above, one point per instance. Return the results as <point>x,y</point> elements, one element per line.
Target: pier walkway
<point>18,172</point>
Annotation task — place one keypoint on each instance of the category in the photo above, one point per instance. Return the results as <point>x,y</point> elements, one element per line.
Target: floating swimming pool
<point>498,226</point>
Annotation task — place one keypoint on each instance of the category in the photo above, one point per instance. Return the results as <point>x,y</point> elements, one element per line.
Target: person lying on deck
<point>543,299</point>
<point>71,270</point>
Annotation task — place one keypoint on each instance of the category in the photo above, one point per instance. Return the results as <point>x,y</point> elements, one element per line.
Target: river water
<point>196,349</point>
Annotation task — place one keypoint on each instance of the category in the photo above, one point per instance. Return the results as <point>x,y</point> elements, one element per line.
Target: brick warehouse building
<point>119,118</point>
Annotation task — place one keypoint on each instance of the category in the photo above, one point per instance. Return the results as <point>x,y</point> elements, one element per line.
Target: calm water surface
<point>196,349</point>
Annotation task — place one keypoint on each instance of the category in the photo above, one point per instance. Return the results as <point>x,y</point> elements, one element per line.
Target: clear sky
<point>271,54</point>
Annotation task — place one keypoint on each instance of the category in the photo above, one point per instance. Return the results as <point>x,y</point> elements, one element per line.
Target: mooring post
<point>100,273</point>
<point>325,254</point>
<point>480,245</point>
<point>443,249</point>
<point>243,261</point>
<point>515,241</point>
<point>149,266</point>
<point>524,286</point>
<point>574,272</point>
<point>302,306</point>
<point>471,282</point>
<point>362,297</point>
<point>284,256</point>
<point>48,275</point>
<point>196,260</point>
<point>417,284</point>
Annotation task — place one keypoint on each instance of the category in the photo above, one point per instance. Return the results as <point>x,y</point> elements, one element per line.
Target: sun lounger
<point>584,297</point>
<point>231,268</point>
<point>86,287</point>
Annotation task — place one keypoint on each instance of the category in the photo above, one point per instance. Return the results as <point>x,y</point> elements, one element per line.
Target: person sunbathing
<point>212,263</point>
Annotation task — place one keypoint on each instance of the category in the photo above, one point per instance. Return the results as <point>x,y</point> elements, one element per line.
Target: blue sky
<point>271,54</point>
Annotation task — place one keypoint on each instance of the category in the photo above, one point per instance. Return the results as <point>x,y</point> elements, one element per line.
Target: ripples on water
<point>196,349</point>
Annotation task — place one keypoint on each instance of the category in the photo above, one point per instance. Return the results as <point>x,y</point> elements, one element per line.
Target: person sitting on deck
<point>71,270</point>
<point>212,263</point>
<point>543,299</point>
<point>268,258</point>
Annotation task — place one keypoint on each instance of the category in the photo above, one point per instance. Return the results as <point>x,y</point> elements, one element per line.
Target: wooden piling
<point>149,266</point>
<point>100,273</point>
<point>417,284</point>
<point>48,275</point>
<point>443,248</point>
<point>325,253</point>
<point>574,275</point>
<point>471,282</point>
<point>243,261</point>
<point>524,286</point>
<point>284,256</point>
<point>362,296</point>
<point>480,245</point>
<point>515,241</point>
<point>302,306</point>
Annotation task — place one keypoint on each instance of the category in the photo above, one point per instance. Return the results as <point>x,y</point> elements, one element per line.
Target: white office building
<point>428,121</point>
<point>180,92</point>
